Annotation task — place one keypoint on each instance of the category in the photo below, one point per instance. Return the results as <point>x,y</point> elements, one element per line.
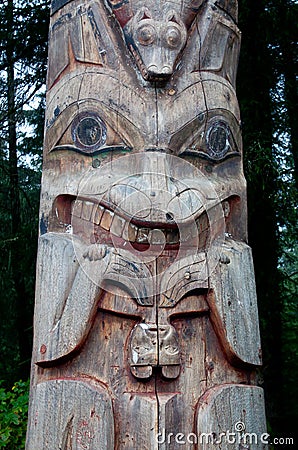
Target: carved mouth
<point>105,220</point>
<point>97,223</point>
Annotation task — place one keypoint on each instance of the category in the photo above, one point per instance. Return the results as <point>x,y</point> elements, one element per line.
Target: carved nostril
<point>166,70</point>
<point>170,217</point>
<point>153,68</point>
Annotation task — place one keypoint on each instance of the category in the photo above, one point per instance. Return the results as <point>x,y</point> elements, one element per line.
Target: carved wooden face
<point>148,166</point>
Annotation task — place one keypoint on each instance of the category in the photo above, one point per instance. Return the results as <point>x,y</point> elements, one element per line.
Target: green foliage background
<point>13,415</point>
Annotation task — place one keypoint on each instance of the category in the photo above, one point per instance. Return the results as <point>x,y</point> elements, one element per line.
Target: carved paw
<point>95,252</point>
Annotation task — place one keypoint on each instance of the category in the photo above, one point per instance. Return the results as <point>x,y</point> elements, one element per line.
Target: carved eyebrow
<point>102,149</point>
<point>204,155</point>
<point>120,124</point>
<point>188,131</point>
<point>185,136</point>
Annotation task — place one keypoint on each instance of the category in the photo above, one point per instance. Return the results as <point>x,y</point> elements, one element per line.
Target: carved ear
<point>142,14</point>
<point>172,16</point>
<point>173,19</point>
<point>189,11</point>
<point>213,44</point>
<point>230,6</point>
<point>90,40</point>
<point>122,10</point>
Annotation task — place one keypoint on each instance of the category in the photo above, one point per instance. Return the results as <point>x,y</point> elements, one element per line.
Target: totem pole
<point>146,327</point>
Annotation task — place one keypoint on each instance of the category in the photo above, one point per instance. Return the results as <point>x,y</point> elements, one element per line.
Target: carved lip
<point>77,215</point>
<point>107,221</point>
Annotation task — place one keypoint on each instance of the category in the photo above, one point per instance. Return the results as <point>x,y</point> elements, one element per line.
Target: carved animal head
<point>156,40</point>
<point>156,32</point>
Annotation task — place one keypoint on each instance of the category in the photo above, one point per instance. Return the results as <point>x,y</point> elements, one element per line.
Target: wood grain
<point>146,323</point>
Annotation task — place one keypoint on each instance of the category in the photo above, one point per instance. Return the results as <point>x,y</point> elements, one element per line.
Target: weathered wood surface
<point>146,322</point>
<point>246,432</point>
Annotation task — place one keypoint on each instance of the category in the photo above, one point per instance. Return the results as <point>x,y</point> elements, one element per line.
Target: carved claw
<point>171,372</point>
<point>141,372</point>
<point>95,252</point>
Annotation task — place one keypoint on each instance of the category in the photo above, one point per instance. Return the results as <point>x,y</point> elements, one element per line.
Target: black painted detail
<point>89,132</point>
<point>230,7</point>
<point>43,225</point>
<point>119,4</point>
<point>218,139</point>
<point>103,149</point>
<point>96,32</point>
<point>203,155</point>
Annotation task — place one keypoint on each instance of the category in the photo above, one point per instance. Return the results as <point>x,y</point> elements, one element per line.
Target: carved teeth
<point>97,214</point>
<point>129,232</point>
<point>142,237</point>
<point>106,220</point>
<point>87,210</point>
<point>118,225</point>
<point>156,237</point>
<point>172,236</point>
<point>226,208</point>
<point>77,208</point>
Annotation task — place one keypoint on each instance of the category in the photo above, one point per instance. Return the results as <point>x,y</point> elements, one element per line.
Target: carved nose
<point>146,193</point>
<point>155,71</point>
<point>154,193</point>
<point>131,199</point>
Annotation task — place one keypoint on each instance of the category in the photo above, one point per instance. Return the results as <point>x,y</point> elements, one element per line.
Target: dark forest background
<point>267,92</point>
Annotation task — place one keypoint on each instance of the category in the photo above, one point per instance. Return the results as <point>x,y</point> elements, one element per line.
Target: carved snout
<point>154,346</point>
<point>155,42</point>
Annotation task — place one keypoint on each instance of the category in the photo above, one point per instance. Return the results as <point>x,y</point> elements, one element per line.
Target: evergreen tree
<point>266,90</point>
<point>24,28</point>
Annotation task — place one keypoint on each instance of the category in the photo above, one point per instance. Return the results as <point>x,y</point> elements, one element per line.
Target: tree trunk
<point>256,81</point>
<point>17,275</point>
<point>289,68</point>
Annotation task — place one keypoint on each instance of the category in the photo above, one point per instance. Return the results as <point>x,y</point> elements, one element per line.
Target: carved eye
<point>218,139</point>
<point>146,34</point>
<point>209,136</point>
<point>89,132</point>
<point>173,37</point>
